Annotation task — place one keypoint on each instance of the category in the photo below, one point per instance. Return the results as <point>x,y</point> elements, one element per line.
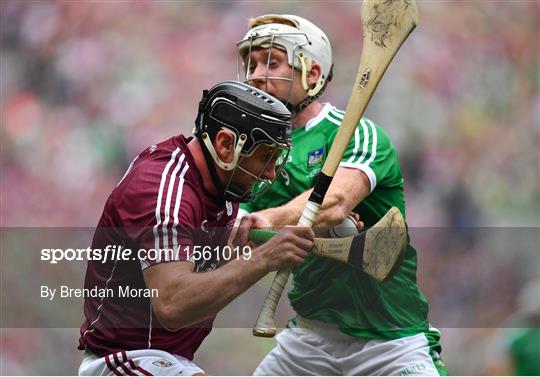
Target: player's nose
<point>270,172</point>
<point>258,76</point>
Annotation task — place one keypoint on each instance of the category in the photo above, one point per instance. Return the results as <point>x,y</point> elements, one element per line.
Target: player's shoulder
<point>330,118</point>
<point>160,161</point>
<point>374,130</point>
<point>160,169</point>
<point>330,115</point>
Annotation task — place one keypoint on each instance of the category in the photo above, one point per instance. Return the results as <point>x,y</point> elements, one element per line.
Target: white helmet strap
<point>320,82</point>
<point>224,165</point>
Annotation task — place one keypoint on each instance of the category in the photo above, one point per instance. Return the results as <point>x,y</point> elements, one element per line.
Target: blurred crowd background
<point>86,85</point>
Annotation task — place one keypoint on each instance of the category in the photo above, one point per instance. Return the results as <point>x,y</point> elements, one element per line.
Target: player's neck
<point>195,148</point>
<point>310,112</point>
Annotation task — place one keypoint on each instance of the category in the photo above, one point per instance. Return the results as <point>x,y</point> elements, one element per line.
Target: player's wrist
<point>259,260</point>
<point>270,215</point>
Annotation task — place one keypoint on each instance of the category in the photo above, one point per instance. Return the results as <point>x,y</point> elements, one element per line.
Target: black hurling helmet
<point>256,118</point>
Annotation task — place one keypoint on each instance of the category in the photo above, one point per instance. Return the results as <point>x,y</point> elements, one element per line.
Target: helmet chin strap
<point>295,109</point>
<point>224,165</point>
<point>212,159</point>
<point>212,169</point>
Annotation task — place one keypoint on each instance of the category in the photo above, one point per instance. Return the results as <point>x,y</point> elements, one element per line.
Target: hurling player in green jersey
<point>523,344</point>
<point>347,323</point>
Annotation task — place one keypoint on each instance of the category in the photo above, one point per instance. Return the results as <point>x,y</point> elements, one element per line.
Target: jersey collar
<point>322,114</point>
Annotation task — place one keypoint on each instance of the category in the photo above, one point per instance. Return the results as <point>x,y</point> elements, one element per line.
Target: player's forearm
<point>348,189</point>
<point>335,208</point>
<point>198,296</point>
<point>288,214</point>
<point>337,204</point>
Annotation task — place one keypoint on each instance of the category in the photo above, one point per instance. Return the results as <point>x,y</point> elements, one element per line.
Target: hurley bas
<point>120,291</point>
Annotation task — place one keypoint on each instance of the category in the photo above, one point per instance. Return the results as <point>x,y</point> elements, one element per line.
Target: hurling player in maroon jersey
<point>173,210</point>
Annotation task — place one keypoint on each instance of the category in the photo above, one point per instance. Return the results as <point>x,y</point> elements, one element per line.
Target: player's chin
<point>245,188</point>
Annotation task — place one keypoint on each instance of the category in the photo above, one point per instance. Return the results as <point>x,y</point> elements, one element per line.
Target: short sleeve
<point>372,152</point>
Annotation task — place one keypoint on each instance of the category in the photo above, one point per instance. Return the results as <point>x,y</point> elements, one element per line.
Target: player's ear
<point>314,74</point>
<point>224,145</point>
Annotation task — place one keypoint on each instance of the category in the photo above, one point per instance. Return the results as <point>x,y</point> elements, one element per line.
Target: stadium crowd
<point>85,86</point>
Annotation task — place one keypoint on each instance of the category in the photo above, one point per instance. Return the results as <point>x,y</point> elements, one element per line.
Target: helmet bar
<point>287,41</point>
<point>261,184</point>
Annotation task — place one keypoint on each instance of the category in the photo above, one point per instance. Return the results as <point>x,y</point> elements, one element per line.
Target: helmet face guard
<point>255,41</point>
<point>234,192</point>
<point>303,43</point>
<point>255,118</point>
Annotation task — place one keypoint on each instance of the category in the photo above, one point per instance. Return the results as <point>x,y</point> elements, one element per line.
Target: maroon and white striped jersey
<point>160,204</point>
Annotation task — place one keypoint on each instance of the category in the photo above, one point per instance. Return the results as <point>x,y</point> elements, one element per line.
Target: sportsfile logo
<point>195,253</point>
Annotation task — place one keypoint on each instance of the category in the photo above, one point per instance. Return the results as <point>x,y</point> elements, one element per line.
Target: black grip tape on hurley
<point>356,253</point>
<point>321,187</point>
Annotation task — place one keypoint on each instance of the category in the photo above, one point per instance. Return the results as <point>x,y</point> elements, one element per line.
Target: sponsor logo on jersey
<point>315,157</point>
<point>162,363</point>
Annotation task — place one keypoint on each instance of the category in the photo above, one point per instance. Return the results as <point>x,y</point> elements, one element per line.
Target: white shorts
<point>148,362</point>
<point>309,347</point>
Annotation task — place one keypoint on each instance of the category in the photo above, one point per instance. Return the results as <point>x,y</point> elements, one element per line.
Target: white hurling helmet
<point>302,40</point>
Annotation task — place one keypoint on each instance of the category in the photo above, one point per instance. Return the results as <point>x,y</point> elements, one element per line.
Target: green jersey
<point>330,291</point>
<point>525,352</point>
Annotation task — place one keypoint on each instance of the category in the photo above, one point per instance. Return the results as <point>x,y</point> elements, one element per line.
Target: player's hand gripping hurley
<point>386,24</point>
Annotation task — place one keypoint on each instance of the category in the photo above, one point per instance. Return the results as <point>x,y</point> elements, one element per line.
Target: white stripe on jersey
<point>368,129</point>
<point>168,206</point>
<point>363,123</point>
<point>356,144</point>
<point>319,117</point>
<point>150,327</point>
<point>373,144</point>
<point>177,206</point>
<point>365,147</point>
<point>337,123</point>
<point>160,195</point>
<point>360,164</point>
<point>100,304</point>
<point>335,112</point>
